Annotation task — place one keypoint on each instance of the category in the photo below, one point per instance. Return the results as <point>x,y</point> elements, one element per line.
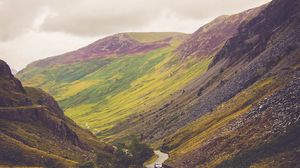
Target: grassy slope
<point>99,93</point>
<point>152,36</point>
<point>19,147</point>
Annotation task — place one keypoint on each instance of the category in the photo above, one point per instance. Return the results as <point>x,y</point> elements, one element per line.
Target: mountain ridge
<point>115,45</point>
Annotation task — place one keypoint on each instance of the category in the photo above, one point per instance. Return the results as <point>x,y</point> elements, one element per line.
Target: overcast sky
<point>35,29</point>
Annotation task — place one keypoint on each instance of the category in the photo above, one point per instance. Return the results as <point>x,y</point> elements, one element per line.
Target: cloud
<point>99,17</point>
<point>16,17</point>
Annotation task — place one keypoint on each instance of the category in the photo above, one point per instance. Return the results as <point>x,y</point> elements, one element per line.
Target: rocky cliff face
<point>32,121</point>
<point>12,92</point>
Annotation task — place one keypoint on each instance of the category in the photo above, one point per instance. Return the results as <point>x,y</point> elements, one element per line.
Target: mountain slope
<point>35,132</point>
<point>170,114</point>
<point>109,80</point>
<point>101,93</point>
<point>251,116</point>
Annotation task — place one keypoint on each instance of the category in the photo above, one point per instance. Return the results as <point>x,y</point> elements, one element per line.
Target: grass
<point>152,36</point>
<point>99,93</point>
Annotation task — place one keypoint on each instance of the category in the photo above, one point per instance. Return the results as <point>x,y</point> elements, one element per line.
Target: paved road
<point>161,158</point>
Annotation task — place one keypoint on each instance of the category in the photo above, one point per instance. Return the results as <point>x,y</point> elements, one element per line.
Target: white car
<point>157,165</point>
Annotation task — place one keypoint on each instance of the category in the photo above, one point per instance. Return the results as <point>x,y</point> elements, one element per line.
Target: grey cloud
<point>105,17</point>
<point>100,17</point>
<point>16,17</point>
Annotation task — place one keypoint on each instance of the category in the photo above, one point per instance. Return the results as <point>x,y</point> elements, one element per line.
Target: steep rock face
<point>212,36</point>
<point>38,107</point>
<point>42,98</point>
<point>35,132</point>
<point>115,45</point>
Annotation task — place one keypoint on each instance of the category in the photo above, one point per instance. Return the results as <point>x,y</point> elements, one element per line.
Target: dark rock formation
<point>11,89</point>
<point>32,105</point>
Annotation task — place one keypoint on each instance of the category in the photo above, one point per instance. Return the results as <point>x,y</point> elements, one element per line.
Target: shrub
<point>140,152</point>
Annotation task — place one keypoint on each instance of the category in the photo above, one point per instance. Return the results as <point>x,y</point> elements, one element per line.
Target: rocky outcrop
<point>11,89</point>
<point>32,106</point>
<point>36,133</point>
<point>39,97</point>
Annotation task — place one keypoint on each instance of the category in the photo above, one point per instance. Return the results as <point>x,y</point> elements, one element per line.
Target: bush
<point>140,152</point>
<point>120,158</point>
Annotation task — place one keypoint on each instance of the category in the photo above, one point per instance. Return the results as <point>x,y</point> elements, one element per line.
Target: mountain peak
<point>116,45</point>
<point>4,69</point>
<point>210,37</point>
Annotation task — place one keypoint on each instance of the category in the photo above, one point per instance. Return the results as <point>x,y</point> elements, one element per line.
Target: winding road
<point>162,157</point>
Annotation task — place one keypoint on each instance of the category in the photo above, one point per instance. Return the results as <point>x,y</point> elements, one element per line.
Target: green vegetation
<point>140,152</point>
<point>152,36</point>
<point>115,87</point>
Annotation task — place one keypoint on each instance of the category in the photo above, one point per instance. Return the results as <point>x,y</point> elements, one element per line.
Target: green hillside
<point>101,92</point>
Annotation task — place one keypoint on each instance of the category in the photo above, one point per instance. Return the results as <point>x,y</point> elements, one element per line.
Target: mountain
<point>224,96</point>
<point>97,85</point>
<point>35,132</point>
<point>248,114</point>
<point>170,114</point>
<point>106,93</point>
<point>113,46</point>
